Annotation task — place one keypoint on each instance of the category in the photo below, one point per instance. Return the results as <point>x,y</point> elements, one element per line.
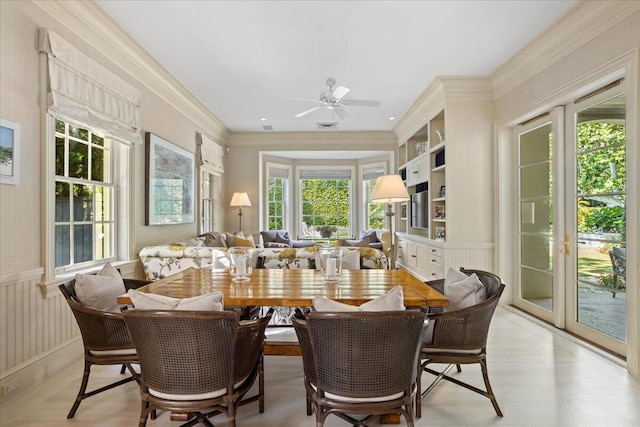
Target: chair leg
<point>309,410</point>
<point>485,375</point>
<point>122,369</point>
<point>261,386</point>
<point>83,388</point>
<point>418,400</point>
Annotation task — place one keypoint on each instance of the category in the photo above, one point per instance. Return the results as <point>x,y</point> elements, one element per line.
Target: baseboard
<point>24,376</point>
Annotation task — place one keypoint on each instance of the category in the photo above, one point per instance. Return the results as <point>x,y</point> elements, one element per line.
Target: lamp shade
<point>390,189</point>
<point>240,199</point>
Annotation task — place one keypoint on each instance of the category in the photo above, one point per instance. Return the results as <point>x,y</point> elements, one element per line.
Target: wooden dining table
<point>294,288</point>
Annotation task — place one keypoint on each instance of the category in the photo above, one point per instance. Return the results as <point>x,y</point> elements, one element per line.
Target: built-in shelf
<point>438,147</point>
<point>440,199</point>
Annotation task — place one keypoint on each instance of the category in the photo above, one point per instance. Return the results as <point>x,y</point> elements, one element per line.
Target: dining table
<point>294,288</point>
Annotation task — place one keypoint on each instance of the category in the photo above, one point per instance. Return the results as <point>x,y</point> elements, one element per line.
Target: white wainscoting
<point>32,328</point>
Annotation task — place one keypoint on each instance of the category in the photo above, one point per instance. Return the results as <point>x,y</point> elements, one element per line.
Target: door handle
<point>567,245</point>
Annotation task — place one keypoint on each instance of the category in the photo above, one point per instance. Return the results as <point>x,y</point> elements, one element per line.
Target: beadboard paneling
<point>31,325</point>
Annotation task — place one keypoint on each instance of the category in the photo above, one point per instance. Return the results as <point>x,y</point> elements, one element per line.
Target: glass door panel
<point>599,215</point>
<point>536,281</point>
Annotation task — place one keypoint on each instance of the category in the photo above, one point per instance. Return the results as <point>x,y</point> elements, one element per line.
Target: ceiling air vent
<point>327,125</point>
<point>267,127</point>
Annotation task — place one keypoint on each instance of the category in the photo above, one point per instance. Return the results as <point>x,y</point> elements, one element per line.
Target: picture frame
<point>9,152</point>
<point>439,233</point>
<point>439,212</point>
<point>170,182</point>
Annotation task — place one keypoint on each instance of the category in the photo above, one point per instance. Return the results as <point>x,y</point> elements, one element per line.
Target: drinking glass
<point>331,263</point>
<point>240,263</point>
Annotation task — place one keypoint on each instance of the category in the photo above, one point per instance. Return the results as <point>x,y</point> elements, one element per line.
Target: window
<point>84,222</point>
<point>374,212</point>
<point>209,201</point>
<point>326,198</point>
<point>277,196</point>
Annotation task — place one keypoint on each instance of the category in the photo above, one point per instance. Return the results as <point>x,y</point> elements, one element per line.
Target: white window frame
<point>210,195</point>
<point>286,208</point>
<point>365,191</point>
<point>352,195</point>
<point>124,200</point>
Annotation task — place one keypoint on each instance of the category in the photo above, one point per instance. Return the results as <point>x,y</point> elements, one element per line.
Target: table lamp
<point>390,189</point>
<point>240,200</point>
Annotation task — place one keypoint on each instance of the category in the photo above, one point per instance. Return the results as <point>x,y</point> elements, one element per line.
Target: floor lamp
<point>240,200</point>
<point>390,189</point>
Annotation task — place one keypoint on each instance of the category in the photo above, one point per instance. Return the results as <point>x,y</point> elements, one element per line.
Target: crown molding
<point>433,99</point>
<point>582,23</point>
<point>327,140</point>
<point>93,24</point>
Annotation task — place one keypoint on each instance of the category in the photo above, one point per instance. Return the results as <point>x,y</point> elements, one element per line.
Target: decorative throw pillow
<point>370,234</point>
<point>463,293</point>
<point>219,259</point>
<point>215,240</point>
<point>244,242</point>
<point>391,301</point>
<point>213,301</point>
<point>230,238</point>
<point>362,243</point>
<point>283,238</point>
<point>100,291</point>
<point>350,259</point>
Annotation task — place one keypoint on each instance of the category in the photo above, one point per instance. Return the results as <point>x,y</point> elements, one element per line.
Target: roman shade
<point>372,172</point>
<point>277,172</point>
<point>325,173</point>
<point>211,155</point>
<point>85,93</point>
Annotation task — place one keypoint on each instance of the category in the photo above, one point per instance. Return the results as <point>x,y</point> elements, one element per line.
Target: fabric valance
<point>84,92</point>
<point>211,155</point>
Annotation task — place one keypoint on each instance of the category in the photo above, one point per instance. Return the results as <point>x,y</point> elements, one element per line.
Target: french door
<point>571,183</point>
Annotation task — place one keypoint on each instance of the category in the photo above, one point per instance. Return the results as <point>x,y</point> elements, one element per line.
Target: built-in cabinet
<point>446,160</point>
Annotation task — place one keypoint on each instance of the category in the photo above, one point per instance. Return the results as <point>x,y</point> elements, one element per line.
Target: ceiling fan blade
<point>310,110</point>
<point>361,102</point>
<point>341,112</point>
<point>339,92</point>
<point>304,99</point>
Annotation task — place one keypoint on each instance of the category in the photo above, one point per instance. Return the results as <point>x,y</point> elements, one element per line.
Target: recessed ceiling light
<point>392,118</point>
<point>263,118</point>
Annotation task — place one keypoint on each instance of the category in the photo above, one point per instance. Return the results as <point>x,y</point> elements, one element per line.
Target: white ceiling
<point>244,58</point>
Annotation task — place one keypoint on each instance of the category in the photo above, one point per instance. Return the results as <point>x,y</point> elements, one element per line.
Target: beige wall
<point>36,324</point>
<point>242,172</point>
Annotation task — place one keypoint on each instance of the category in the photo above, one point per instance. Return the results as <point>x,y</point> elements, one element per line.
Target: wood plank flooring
<point>540,379</point>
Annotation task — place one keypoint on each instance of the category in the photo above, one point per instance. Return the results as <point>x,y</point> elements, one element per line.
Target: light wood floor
<point>540,379</point>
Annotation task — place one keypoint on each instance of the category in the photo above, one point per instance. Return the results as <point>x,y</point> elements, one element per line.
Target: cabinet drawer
<point>435,273</point>
<point>435,261</point>
<point>434,250</point>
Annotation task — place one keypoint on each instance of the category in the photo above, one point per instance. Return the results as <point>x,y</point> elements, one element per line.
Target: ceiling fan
<point>332,100</point>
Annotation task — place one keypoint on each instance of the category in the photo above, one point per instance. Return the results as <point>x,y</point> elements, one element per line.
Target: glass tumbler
<point>240,263</point>
<point>331,263</point>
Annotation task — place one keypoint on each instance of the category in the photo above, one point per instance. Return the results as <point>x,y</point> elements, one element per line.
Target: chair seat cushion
<point>200,396</point>
<point>122,352</point>
<point>391,301</point>
<point>213,301</point>
<point>100,291</point>
<point>348,399</point>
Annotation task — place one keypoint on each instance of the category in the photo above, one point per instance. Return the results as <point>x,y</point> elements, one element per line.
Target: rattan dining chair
<point>460,338</point>
<point>197,362</point>
<point>360,363</point>
<point>105,338</point>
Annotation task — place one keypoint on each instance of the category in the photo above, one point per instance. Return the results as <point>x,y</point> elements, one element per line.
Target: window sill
<point>50,289</point>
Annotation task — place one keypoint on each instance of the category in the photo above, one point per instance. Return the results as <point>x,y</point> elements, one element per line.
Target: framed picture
<point>170,182</point>
<point>439,233</point>
<point>9,152</point>
<point>440,212</point>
